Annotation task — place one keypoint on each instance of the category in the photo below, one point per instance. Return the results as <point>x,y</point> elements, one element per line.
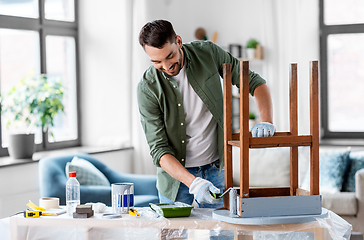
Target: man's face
<point>169,58</point>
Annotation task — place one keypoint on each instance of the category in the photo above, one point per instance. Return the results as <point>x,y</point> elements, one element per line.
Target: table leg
<point>318,234</point>
<point>241,236</point>
<point>245,237</point>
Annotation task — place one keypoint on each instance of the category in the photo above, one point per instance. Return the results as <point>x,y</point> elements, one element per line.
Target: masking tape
<point>48,203</point>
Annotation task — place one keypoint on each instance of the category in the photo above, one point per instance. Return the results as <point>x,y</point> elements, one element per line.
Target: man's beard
<point>178,64</point>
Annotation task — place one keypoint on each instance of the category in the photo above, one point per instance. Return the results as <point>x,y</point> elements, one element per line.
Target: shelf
<point>258,55</point>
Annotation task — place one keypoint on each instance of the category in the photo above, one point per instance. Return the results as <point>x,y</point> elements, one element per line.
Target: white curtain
<point>290,30</point>
<point>143,11</point>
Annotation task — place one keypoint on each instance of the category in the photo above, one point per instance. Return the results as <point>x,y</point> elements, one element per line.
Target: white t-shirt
<point>201,128</point>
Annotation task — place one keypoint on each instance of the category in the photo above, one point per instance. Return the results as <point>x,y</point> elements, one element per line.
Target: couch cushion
<point>333,166</point>
<point>87,173</point>
<point>343,203</point>
<point>268,167</point>
<point>356,163</point>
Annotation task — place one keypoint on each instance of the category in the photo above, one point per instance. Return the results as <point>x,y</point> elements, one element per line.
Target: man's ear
<point>179,41</point>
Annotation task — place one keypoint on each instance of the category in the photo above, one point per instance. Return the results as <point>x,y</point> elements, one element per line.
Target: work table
<point>149,226</point>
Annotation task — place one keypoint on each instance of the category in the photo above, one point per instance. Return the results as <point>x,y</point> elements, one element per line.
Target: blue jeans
<point>209,172</point>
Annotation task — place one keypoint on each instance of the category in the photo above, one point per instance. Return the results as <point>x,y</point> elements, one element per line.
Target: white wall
<point>18,185</point>
<point>105,73</point>
<point>236,21</point>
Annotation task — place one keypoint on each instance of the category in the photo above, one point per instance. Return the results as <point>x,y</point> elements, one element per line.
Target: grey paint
<point>226,216</point>
<point>281,206</point>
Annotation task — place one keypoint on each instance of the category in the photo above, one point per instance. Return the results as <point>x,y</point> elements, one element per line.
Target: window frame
<point>46,27</point>
<point>325,31</point>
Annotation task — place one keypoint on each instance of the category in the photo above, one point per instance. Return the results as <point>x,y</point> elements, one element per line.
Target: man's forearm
<point>263,100</point>
<point>174,168</point>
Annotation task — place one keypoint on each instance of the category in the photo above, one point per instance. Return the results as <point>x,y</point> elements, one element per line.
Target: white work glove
<point>263,129</point>
<point>201,188</point>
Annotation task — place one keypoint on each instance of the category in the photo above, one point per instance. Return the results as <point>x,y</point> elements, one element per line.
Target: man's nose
<point>167,65</point>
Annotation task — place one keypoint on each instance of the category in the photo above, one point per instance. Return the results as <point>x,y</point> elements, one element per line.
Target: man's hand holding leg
<point>264,129</point>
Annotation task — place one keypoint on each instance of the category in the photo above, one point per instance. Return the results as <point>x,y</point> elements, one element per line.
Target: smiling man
<point>181,106</point>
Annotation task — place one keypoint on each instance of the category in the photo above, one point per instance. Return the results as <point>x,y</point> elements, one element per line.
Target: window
<point>27,8</point>
<point>342,72</point>
<point>40,37</point>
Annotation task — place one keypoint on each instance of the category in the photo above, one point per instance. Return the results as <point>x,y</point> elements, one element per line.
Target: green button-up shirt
<point>161,105</point>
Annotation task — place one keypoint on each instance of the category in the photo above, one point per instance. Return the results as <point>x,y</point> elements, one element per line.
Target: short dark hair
<point>157,33</point>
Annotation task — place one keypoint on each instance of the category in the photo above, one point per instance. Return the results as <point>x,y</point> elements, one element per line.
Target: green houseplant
<point>33,102</point>
<point>251,45</point>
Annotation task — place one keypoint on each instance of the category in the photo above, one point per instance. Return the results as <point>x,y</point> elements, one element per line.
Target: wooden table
<point>200,225</point>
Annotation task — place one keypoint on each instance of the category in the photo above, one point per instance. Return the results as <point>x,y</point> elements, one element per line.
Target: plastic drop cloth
<point>200,225</point>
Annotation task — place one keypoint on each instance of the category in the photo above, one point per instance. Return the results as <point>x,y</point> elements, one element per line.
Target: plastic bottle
<point>72,193</point>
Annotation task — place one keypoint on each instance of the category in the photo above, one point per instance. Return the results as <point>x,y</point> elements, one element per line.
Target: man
<point>181,106</point>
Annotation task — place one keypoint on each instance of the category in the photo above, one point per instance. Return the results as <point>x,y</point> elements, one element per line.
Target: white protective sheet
<point>200,225</point>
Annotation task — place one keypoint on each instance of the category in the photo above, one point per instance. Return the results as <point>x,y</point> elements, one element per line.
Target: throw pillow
<point>87,173</point>
<point>357,163</point>
<point>333,166</point>
<point>268,167</point>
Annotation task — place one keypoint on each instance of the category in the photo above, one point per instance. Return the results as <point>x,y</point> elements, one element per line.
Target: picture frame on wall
<point>235,50</point>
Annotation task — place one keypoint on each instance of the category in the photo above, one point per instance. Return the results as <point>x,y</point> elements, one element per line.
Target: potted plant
<point>250,48</point>
<point>33,102</point>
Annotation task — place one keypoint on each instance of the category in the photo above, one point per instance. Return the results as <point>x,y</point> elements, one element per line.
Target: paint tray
<point>177,209</point>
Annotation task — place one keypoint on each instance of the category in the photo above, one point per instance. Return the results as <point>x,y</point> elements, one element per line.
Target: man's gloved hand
<point>263,129</point>
<point>201,188</point>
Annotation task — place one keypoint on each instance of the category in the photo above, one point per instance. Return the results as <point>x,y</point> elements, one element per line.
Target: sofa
<point>341,177</point>
<point>53,178</point>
